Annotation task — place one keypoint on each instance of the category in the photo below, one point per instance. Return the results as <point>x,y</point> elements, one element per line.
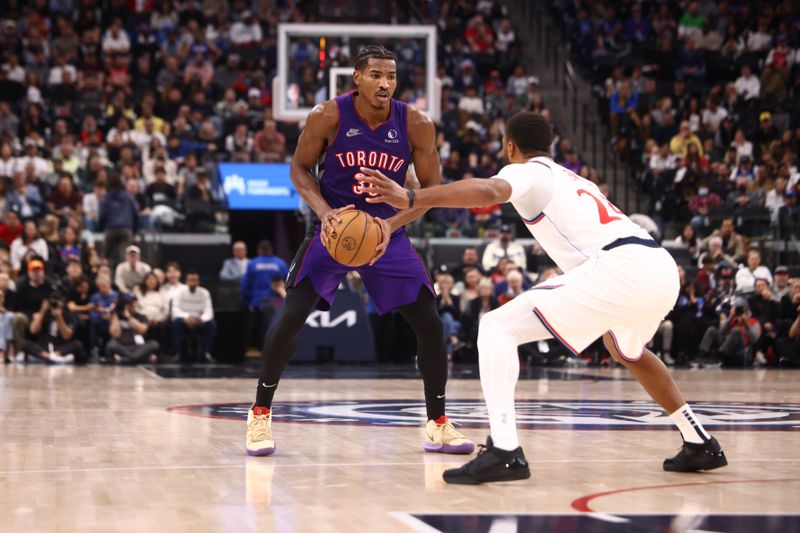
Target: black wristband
<point>411,195</point>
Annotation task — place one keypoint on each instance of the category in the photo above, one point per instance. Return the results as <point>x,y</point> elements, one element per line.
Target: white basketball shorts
<point>626,291</point>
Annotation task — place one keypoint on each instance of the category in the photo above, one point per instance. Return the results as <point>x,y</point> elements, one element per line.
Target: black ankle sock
<point>264,393</point>
<point>434,405</point>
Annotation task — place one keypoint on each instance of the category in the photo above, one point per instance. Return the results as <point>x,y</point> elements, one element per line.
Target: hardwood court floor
<point>96,449</point>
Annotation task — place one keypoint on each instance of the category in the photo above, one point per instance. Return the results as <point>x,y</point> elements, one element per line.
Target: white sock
<point>691,428</point>
<point>499,334</point>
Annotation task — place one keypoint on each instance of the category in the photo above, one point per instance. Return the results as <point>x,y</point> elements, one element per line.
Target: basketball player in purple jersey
<point>365,128</point>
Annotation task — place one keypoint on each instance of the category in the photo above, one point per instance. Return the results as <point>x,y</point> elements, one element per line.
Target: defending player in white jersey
<point>618,284</point>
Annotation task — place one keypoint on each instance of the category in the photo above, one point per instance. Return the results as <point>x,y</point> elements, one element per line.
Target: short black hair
<point>373,51</point>
<point>264,247</point>
<point>530,131</point>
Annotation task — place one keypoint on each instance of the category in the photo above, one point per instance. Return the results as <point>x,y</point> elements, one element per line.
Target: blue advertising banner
<point>258,186</point>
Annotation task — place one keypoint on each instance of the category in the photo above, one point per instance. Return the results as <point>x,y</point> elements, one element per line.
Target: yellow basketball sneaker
<point>259,432</point>
<point>442,437</point>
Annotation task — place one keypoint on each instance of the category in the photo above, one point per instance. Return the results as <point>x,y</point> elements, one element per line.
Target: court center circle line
<point>582,504</point>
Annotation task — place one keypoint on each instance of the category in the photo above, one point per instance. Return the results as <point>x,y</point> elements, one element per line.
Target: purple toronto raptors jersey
<point>397,278</point>
<point>385,148</point>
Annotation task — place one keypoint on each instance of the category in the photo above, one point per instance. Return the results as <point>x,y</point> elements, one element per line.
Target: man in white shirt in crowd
<point>193,313</point>
<point>747,275</point>
<point>234,267</point>
<point>504,247</point>
<point>747,85</point>
<point>130,273</point>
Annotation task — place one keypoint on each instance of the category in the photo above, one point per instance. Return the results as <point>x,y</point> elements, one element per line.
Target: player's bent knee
<point>608,342</point>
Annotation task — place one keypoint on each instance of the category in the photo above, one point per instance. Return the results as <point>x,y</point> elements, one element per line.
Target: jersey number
<point>361,187</point>
<point>602,210</point>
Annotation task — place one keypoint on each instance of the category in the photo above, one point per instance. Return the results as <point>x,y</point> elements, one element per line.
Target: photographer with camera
<point>127,329</point>
<point>52,333</point>
<point>733,340</point>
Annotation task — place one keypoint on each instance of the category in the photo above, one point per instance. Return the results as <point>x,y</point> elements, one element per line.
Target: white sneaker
<point>259,432</point>
<point>760,360</point>
<point>62,359</point>
<point>668,359</point>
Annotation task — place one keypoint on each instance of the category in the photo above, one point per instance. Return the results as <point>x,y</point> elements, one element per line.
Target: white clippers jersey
<point>567,214</point>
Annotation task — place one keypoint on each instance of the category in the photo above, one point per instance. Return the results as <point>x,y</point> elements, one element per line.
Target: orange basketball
<point>355,238</point>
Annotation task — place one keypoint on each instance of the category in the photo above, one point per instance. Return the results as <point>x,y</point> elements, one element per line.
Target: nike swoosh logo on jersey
<point>352,132</point>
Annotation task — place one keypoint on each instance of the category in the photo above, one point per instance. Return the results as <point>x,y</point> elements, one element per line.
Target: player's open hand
<point>386,235</point>
<point>383,190</point>
<point>329,221</point>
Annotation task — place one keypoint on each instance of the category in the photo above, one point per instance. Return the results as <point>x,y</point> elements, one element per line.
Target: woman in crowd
<point>153,305</point>
<point>28,241</point>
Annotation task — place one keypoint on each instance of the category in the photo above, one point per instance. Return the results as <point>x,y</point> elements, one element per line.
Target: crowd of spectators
<point>702,97</point>
<point>91,313</point>
<point>704,94</point>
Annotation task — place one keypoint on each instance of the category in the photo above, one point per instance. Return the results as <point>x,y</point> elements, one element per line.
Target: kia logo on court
<point>322,319</point>
<point>531,414</point>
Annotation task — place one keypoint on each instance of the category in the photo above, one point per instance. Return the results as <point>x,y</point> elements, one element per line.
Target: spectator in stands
<point>690,240</point>
<point>781,279</point>
<point>193,314</point>
<point>469,260</point>
<point>732,340</point>
<point>235,267</point>
<point>172,286</point>
<point>766,308</point>
<point>449,306</point>
<point>504,247</point>
<point>31,292</point>
<point>200,204</point>
<point>28,242</point>
<point>513,287</point>
<point>154,306</point>
<point>127,329</point>
<point>733,244</point>
<point>775,199</point>
<point>472,276</point>
<point>743,196</point>
<point>103,302</point>
<point>119,219</point>
<point>65,198</point>
<point>701,204</point>
<point>11,228</point>
<point>78,297</point>
<point>161,198</point>
<point>269,145</point>
<point>24,198</point>
<point>481,305</point>
<point>706,279</point>
<point>129,274</point>
<point>256,286</point>
<point>52,331</point>
<point>91,204</point>
<point>747,275</point>
<point>679,144</point>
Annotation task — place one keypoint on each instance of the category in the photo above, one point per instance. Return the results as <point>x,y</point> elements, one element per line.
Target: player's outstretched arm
<point>320,127</point>
<point>470,192</point>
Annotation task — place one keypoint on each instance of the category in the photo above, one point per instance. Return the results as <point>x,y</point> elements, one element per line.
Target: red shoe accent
<point>258,411</point>
<point>441,420</point>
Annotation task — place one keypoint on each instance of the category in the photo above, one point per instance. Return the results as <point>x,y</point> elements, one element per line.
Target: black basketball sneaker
<point>490,465</point>
<point>696,457</point>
